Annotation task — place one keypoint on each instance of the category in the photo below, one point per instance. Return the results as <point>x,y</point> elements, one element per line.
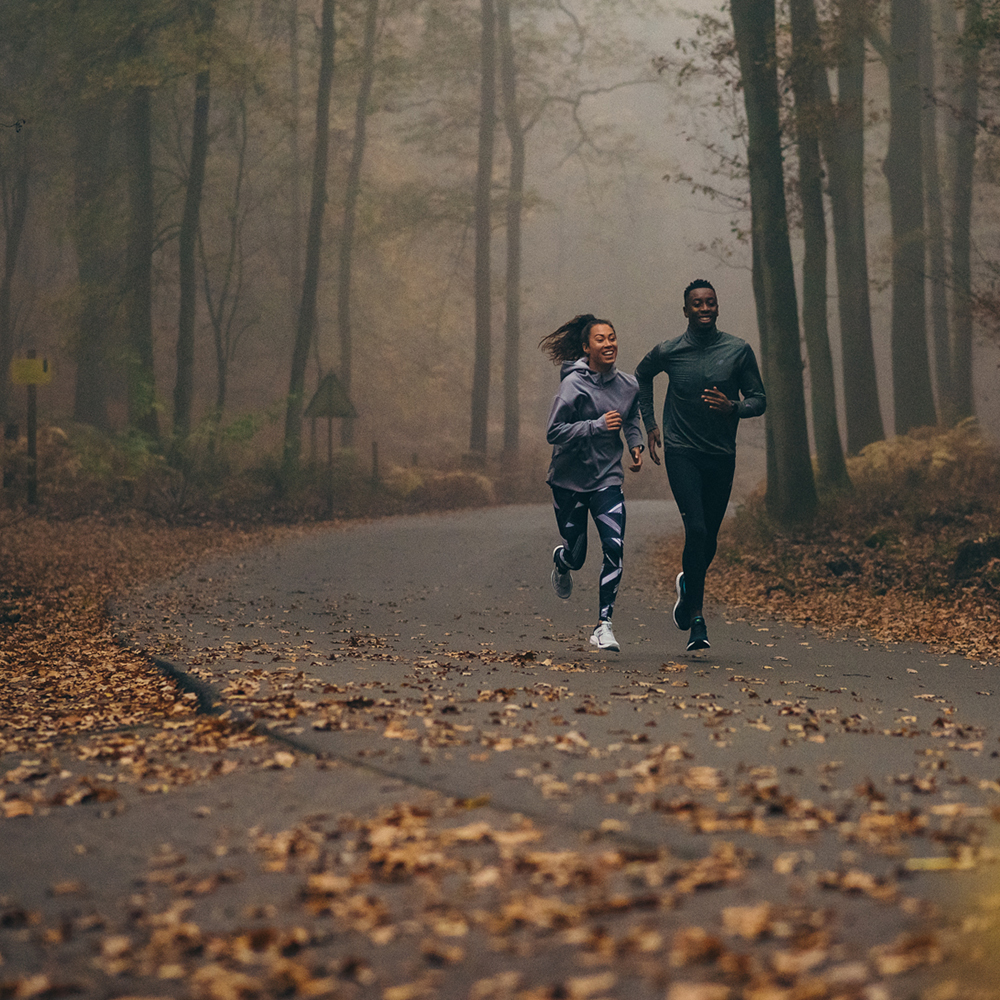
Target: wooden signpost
<point>32,372</point>
<point>331,400</point>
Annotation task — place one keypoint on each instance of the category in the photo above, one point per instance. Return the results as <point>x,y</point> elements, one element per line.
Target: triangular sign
<point>331,400</point>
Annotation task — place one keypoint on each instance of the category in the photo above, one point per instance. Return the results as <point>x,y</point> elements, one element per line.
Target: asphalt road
<point>429,656</point>
<point>447,607</point>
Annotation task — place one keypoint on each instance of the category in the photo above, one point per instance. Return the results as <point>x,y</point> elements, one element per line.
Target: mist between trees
<point>211,205</point>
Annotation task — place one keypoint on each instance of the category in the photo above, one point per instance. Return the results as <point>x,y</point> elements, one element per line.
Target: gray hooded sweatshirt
<point>586,456</point>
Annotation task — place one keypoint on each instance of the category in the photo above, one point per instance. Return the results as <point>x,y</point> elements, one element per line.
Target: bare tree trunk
<point>351,193</point>
<point>807,63</point>
<point>936,256</point>
<point>142,414</point>
<point>14,172</point>
<point>844,148</point>
<point>314,240</point>
<point>92,224</point>
<point>961,220</point>
<point>223,304</point>
<point>483,226</point>
<point>913,397</point>
<point>204,14</point>
<point>793,497</point>
<point>515,201</point>
<point>760,308</point>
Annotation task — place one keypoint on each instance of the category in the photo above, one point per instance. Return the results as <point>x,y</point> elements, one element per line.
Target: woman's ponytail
<point>566,343</point>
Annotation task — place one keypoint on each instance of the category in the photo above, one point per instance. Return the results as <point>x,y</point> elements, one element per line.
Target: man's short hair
<point>697,283</point>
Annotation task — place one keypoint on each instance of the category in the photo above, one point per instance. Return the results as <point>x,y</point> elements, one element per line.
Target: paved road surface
<point>429,655</point>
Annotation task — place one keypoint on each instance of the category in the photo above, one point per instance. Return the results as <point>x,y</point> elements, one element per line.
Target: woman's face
<point>601,348</point>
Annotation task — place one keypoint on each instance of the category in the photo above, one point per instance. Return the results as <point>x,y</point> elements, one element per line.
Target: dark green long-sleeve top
<point>696,361</point>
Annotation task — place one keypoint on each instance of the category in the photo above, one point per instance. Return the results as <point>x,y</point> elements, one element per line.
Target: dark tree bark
<point>483,228</point>
<point>760,308</point>
<point>844,149</point>
<point>222,299</point>
<point>913,397</point>
<point>961,216</point>
<point>842,142</point>
<point>14,173</point>
<point>515,202</point>
<point>314,243</point>
<point>792,499</point>
<point>96,270</point>
<point>807,64</point>
<point>936,255</point>
<point>295,154</point>
<point>142,414</point>
<point>204,15</point>
<point>351,193</point>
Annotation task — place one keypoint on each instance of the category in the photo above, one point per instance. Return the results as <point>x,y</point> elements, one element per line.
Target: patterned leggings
<point>607,507</point>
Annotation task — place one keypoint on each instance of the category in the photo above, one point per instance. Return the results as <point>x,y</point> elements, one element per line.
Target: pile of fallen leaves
<point>63,671</point>
<point>910,554</point>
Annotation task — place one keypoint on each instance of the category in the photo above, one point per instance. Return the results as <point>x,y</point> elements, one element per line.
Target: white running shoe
<point>562,582</point>
<point>604,638</point>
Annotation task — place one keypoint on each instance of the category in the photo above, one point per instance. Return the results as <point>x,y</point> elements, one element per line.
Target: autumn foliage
<point>911,553</point>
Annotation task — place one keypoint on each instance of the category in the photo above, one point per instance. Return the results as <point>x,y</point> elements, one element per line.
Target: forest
<point>212,209</point>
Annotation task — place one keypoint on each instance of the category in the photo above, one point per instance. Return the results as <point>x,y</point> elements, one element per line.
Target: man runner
<point>708,371</point>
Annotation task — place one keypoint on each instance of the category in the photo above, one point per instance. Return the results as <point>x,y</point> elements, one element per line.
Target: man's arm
<point>754,400</point>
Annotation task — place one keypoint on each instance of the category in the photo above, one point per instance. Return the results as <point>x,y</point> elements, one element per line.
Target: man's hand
<point>718,400</point>
<point>636,459</point>
<point>653,439</point>
<point>613,420</point>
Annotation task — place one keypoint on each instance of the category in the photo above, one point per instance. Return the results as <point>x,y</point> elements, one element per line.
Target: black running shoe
<point>682,616</point>
<point>699,635</point>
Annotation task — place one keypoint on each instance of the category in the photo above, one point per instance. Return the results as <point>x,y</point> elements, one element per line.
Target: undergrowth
<point>911,552</point>
<point>226,479</point>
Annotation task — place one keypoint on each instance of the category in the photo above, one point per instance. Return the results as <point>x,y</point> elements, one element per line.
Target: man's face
<point>701,308</point>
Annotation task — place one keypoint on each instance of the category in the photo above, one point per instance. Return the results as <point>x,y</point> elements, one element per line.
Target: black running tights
<point>701,485</point>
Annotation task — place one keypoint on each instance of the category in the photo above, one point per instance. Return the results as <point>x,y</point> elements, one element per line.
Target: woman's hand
<point>613,420</point>
<point>636,459</point>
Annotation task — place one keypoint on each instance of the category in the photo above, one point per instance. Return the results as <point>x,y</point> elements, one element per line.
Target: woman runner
<point>594,405</point>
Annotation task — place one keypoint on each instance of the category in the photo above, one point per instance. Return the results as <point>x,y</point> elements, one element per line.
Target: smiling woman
<point>594,405</point>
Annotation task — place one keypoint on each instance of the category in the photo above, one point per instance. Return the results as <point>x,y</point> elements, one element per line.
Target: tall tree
<point>483,286</point>
<point>306,326</point>
<point>844,150</point>
<point>936,252</point>
<point>515,203</point>
<point>224,276</point>
<point>807,64</point>
<point>202,17</point>
<point>913,397</point>
<point>966,127</point>
<point>94,226</point>
<point>352,191</point>
<point>141,379</point>
<point>14,176</point>
<point>792,499</point>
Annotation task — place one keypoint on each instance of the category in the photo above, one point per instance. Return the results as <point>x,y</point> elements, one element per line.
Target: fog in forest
<point>616,220</point>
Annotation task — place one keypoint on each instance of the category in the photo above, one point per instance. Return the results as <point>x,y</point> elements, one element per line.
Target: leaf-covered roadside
<point>911,555</point>
<point>64,675</point>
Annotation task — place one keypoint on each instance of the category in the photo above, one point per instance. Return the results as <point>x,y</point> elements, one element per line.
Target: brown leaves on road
<point>912,554</point>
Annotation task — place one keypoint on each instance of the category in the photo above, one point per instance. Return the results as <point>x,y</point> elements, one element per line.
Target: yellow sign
<point>30,371</point>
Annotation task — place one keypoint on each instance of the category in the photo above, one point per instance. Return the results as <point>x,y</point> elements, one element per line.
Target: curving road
<point>432,651</point>
<point>461,603</point>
